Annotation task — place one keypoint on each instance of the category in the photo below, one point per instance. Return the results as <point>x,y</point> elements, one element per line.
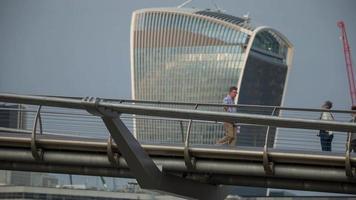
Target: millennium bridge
<point>171,146</point>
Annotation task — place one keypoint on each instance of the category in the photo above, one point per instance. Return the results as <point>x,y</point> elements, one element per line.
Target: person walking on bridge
<point>230,128</point>
<point>326,136</point>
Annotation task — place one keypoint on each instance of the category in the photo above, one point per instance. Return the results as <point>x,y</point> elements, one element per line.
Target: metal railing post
<point>181,129</point>
<point>188,159</point>
<point>37,153</point>
<point>267,164</point>
<point>112,157</point>
<point>20,117</point>
<point>348,166</point>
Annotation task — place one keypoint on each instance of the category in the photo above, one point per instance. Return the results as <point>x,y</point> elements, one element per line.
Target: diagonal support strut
<point>142,166</point>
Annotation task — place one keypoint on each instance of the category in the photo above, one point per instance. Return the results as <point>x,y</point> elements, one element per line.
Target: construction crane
<point>348,60</point>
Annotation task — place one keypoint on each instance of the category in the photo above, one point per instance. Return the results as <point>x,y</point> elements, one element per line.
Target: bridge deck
<point>76,143</point>
<point>211,164</point>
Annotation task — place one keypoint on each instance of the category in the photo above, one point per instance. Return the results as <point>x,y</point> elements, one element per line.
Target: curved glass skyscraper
<point>191,55</point>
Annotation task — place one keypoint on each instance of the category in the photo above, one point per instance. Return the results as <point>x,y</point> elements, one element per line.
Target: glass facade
<point>195,56</point>
<point>179,57</point>
<point>263,83</point>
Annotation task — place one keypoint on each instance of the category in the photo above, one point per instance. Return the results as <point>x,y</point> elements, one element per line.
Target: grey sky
<point>81,47</point>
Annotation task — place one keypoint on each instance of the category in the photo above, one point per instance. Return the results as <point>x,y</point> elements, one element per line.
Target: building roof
<point>240,22</point>
<point>227,18</point>
<point>216,14</point>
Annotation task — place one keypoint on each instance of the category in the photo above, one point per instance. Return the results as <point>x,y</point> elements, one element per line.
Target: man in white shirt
<point>230,128</point>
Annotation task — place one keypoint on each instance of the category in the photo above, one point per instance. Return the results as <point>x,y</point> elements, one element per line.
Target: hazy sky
<point>81,47</point>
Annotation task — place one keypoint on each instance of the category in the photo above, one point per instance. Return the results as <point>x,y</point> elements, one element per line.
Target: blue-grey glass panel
<point>270,45</point>
<point>262,84</point>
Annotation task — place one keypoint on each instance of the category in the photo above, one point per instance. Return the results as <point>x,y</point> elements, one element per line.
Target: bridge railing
<point>161,130</point>
<point>254,135</point>
<point>173,125</point>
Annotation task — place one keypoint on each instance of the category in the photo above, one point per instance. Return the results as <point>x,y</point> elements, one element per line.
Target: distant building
<point>12,117</point>
<point>22,178</point>
<point>25,193</point>
<point>192,55</point>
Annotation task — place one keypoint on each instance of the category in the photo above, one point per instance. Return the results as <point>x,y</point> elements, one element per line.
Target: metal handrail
<point>281,108</point>
<point>185,113</point>
<point>231,105</point>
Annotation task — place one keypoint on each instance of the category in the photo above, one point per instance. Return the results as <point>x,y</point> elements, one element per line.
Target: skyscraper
<point>192,55</point>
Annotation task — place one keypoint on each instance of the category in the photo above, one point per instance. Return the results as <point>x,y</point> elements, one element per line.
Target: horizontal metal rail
<point>208,170</point>
<point>169,164</point>
<point>183,113</point>
<point>213,105</point>
<point>198,151</point>
<point>270,182</point>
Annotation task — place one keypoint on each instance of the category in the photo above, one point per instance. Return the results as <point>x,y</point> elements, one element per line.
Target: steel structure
<point>348,61</point>
<point>195,171</point>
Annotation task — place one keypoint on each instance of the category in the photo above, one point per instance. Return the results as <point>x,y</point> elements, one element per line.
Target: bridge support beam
<point>271,182</point>
<point>142,167</point>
